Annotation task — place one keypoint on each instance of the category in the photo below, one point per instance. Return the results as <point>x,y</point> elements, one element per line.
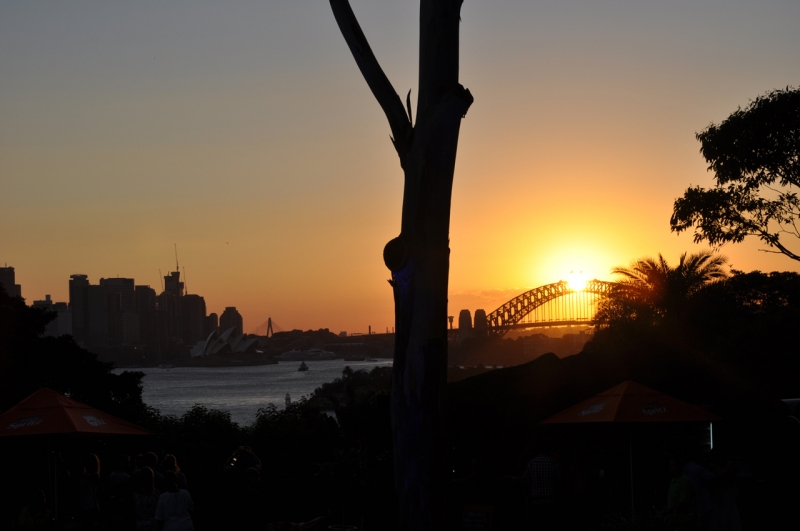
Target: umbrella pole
<point>630,449</point>
<point>54,460</point>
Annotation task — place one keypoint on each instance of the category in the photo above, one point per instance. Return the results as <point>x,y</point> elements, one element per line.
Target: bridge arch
<point>511,314</point>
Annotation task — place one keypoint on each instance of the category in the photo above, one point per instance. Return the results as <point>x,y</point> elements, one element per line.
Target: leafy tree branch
<point>755,157</point>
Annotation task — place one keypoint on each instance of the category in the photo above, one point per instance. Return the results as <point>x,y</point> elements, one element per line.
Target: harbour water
<point>239,390</point>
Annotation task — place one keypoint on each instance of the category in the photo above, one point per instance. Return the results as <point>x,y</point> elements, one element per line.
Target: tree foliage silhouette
<point>651,291</point>
<point>29,360</point>
<point>755,155</point>
<point>419,257</point>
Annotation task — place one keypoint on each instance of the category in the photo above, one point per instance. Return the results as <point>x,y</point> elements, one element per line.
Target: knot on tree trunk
<point>466,97</point>
<point>395,254</point>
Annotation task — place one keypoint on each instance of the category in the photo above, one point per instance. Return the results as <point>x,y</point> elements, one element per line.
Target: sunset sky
<point>243,132</point>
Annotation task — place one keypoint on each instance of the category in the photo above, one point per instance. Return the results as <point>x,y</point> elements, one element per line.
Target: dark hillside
<point>497,413</point>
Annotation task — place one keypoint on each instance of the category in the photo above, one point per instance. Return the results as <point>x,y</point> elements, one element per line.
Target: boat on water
<point>312,354</point>
<point>303,366</point>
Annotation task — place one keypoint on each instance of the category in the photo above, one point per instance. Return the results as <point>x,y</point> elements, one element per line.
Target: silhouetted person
<point>544,473</point>
<point>119,489</point>
<point>252,479</point>
<point>681,503</point>
<point>701,481</point>
<point>151,461</point>
<point>170,464</point>
<point>145,500</point>
<point>35,515</point>
<point>138,464</point>
<point>725,516</point>
<point>576,487</point>
<point>87,482</point>
<point>247,509</point>
<point>240,460</point>
<point>172,511</point>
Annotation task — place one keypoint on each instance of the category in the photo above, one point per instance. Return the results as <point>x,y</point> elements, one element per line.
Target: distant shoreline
<point>207,362</point>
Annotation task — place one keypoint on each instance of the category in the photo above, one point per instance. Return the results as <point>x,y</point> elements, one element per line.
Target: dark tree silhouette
<point>419,257</point>
<point>29,360</point>
<point>755,155</point>
<point>651,291</point>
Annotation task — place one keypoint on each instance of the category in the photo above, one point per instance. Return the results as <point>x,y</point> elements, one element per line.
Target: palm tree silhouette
<point>652,291</point>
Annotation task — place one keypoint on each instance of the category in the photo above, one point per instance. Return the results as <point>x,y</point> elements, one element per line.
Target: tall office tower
<point>62,322</point>
<point>212,324</point>
<point>96,316</point>
<point>124,287</point>
<point>123,323</point>
<point>193,315</point>
<point>7,280</point>
<point>79,305</point>
<point>46,304</point>
<point>129,328</point>
<point>231,318</point>
<point>62,325</point>
<point>167,330</point>
<point>173,284</point>
<point>169,309</point>
<point>146,309</point>
<point>114,313</point>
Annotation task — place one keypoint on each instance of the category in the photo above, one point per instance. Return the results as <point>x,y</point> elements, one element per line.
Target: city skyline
<point>127,322</point>
<point>244,134</point>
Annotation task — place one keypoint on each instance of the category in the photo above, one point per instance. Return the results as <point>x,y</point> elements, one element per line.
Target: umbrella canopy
<point>631,402</point>
<point>47,412</point>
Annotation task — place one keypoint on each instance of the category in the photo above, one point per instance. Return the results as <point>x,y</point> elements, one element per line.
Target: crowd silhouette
<point>146,493</point>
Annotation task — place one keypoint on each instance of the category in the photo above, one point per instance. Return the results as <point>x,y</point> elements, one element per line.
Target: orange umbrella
<point>47,412</point>
<point>631,402</point>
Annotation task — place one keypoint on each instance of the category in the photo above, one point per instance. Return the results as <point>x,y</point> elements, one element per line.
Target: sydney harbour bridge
<point>557,304</point>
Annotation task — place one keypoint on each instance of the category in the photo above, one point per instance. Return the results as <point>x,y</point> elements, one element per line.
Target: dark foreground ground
<point>314,466</point>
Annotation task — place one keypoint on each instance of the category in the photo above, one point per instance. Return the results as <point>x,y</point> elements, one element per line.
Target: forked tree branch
<point>373,74</point>
<point>781,249</point>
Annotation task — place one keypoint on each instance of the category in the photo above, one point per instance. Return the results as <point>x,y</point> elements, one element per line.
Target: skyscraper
<point>146,309</point>
<point>168,316</point>
<point>212,324</point>
<point>79,305</point>
<point>193,315</point>
<point>96,316</point>
<point>231,318</point>
<point>123,321</point>
<point>167,330</point>
<point>173,284</point>
<point>62,324</point>
<point>7,280</point>
<point>124,288</point>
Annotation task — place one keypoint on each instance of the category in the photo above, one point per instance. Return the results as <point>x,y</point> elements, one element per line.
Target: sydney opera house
<point>224,344</point>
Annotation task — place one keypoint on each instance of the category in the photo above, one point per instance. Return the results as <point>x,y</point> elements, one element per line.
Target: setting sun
<point>576,280</point>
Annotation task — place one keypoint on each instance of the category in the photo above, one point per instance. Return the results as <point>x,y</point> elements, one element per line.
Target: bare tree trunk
<point>419,257</point>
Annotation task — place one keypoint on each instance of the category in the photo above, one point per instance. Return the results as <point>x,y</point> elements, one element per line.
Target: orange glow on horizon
<point>274,172</point>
